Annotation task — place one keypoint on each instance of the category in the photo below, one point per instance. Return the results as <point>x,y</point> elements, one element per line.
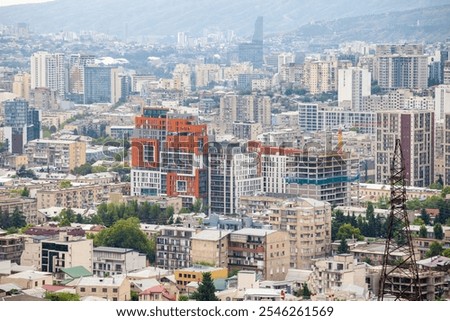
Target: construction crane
<point>399,278</point>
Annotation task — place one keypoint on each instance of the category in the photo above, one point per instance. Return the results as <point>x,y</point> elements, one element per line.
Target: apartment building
<point>308,223</point>
<point>195,274</point>
<point>82,196</point>
<point>267,252</point>
<point>233,171</point>
<point>323,174</point>
<point>401,66</point>
<point>51,255</point>
<point>173,247</point>
<point>338,278</point>
<point>11,248</point>
<point>210,246</point>
<point>168,156</point>
<point>415,129</point>
<point>115,288</point>
<point>64,155</point>
<point>26,206</point>
<point>108,261</point>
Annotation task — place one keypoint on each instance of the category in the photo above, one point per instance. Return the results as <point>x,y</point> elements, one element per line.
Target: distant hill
<point>167,17</point>
<point>426,24</point>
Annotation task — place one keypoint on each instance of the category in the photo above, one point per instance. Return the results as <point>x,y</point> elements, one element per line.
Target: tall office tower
<point>77,63</point>
<point>22,85</point>
<point>402,67</point>
<point>169,153</point>
<point>441,101</point>
<point>253,51</point>
<point>233,172</point>
<point>101,85</point>
<point>262,111</point>
<point>22,124</point>
<point>48,71</point>
<point>415,129</point>
<point>353,84</point>
<point>443,59</point>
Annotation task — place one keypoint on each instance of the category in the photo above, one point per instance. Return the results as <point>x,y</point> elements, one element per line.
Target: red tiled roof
<point>159,289</point>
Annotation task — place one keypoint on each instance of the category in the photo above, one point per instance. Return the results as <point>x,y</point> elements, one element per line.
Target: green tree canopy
<point>423,231</point>
<point>343,247</point>
<point>62,296</point>
<point>348,231</point>
<point>438,231</point>
<point>435,249</point>
<point>126,234</point>
<point>206,289</point>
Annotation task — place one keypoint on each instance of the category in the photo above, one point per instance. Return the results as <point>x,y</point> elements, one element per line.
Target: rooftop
<point>210,235</point>
<point>253,232</point>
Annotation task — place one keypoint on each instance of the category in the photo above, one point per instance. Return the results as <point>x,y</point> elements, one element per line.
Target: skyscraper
<point>101,85</point>
<point>22,124</point>
<point>253,51</point>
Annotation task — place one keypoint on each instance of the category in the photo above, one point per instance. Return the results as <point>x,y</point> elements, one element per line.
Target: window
<point>94,290</point>
<point>82,290</point>
<point>114,290</point>
<point>104,290</point>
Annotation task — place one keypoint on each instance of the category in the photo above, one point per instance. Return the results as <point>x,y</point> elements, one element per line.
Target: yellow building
<point>65,155</point>
<point>195,274</point>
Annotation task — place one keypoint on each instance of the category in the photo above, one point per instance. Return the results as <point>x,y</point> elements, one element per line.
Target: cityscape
<point>254,153</point>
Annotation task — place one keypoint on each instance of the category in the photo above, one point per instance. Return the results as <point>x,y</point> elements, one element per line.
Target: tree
<point>348,231</point>
<point>62,296</point>
<point>206,289</point>
<point>306,294</point>
<point>343,247</point>
<point>423,231</point>
<point>126,234</point>
<point>65,184</point>
<point>425,216</point>
<point>446,253</point>
<point>438,231</point>
<point>25,192</point>
<point>435,249</point>
<point>17,219</point>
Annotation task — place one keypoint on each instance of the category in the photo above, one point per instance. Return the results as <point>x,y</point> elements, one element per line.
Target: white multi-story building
<point>441,101</point>
<point>233,172</point>
<point>353,84</point>
<point>48,71</point>
<point>112,260</point>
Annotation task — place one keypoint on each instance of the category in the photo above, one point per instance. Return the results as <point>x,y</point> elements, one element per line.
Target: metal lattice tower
<point>400,278</point>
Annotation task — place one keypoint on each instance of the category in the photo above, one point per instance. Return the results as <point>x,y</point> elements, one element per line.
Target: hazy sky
<point>13,2</point>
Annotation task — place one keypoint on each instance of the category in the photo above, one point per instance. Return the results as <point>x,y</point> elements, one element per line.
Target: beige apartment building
<point>210,246</point>
<point>26,206</point>
<point>62,154</point>
<point>266,252</point>
<point>52,255</point>
<point>83,196</point>
<point>28,279</point>
<point>114,288</point>
<point>308,223</point>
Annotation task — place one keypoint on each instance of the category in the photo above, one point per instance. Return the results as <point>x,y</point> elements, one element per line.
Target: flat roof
<point>210,235</point>
<point>112,249</point>
<point>253,232</point>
